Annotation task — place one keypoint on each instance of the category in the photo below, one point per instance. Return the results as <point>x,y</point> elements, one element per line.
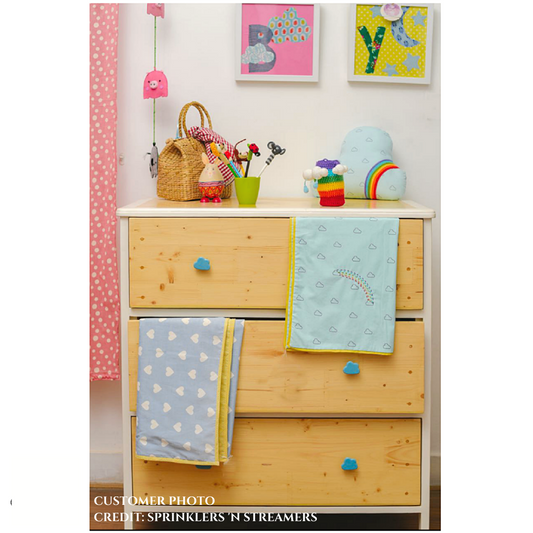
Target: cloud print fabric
<point>342,286</point>
<point>187,388</point>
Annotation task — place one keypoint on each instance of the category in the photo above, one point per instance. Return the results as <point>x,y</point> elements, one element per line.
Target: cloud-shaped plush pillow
<point>367,152</point>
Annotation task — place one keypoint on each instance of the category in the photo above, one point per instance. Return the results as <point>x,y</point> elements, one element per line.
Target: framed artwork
<point>390,51</point>
<point>277,42</point>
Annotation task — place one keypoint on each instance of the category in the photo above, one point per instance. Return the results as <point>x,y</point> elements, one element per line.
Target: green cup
<point>247,190</point>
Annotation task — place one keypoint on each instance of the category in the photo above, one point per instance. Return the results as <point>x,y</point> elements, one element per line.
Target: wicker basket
<point>180,162</point>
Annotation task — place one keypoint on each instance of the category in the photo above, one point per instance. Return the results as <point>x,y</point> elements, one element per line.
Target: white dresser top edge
<point>275,208</point>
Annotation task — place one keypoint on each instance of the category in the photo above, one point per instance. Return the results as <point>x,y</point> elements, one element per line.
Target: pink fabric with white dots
<point>105,347</point>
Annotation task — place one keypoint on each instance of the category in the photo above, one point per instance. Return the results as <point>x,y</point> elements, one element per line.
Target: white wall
<point>195,49</point>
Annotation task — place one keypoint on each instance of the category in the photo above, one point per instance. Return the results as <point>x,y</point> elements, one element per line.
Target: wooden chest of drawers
<point>298,414</point>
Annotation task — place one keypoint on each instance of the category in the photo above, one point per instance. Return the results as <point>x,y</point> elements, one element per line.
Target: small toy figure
<point>329,175</point>
<point>154,160</point>
<point>211,182</point>
<point>276,150</point>
<point>254,149</point>
<point>155,85</point>
<point>240,156</point>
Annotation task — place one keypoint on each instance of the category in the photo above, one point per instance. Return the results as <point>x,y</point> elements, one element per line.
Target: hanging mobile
<point>155,85</point>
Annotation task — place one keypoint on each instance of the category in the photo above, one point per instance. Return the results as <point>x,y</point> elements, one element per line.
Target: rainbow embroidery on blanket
<point>359,280</point>
<point>373,176</point>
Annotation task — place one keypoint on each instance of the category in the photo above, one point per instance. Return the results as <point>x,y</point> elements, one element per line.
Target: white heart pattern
<point>201,393</point>
<point>177,426</point>
<point>208,448</point>
<point>143,441</point>
<point>150,334</point>
<point>180,390</point>
<point>187,446</point>
<point>213,376</point>
<point>145,405</point>
<point>203,357</point>
<point>190,410</point>
<point>169,371</point>
<point>162,319</point>
<point>157,388</point>
<point>192,374</point>
<point>159,352</point>
<point>183,355</point>
<point>185,320</point>
<point>148,369</point>
<point>138,386</point>
<point>153,424</point>
<point>164,442</point>
<point>206,322</point>
<point>198,429</point>
<point>140,351</point>
<point>171,335</point>
<point>210,412</point>
<point>194,338</point>
<point>216,340</point>
<point>166,407</point>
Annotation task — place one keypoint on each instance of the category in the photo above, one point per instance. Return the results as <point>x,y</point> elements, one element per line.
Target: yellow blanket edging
<point>337,351</point>
<point>290,284</point>
<point>224,377</point>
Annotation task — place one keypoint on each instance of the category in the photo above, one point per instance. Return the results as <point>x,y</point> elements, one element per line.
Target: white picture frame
<point>239,76</point>
<point>352,36</point>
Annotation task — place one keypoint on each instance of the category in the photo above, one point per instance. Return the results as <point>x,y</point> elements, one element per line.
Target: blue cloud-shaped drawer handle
<point>203,467</point>
<point>202,264</point>
<point>349,464</point>
<point>351,368</point>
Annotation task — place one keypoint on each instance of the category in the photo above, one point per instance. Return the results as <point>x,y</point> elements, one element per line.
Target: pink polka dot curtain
<point>104,313</point>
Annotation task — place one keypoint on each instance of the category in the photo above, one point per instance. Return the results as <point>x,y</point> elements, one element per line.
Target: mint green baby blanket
<point>342,285</point>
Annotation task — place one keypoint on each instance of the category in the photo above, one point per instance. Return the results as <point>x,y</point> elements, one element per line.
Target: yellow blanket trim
<point>171,460</point>
<point>290,284</point>
<point>225,378</point>
<point>336,351</point>
<point>219,390</point>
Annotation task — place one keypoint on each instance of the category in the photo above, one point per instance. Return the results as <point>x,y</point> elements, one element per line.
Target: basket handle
<point>182,125</point>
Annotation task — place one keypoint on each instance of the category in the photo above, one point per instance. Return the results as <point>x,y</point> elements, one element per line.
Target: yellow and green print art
<point>385,48</point>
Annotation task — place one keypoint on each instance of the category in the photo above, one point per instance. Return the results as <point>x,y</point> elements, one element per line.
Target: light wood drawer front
<point>298,462</point>
<point>272,381</point>
<point>249,263</point>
